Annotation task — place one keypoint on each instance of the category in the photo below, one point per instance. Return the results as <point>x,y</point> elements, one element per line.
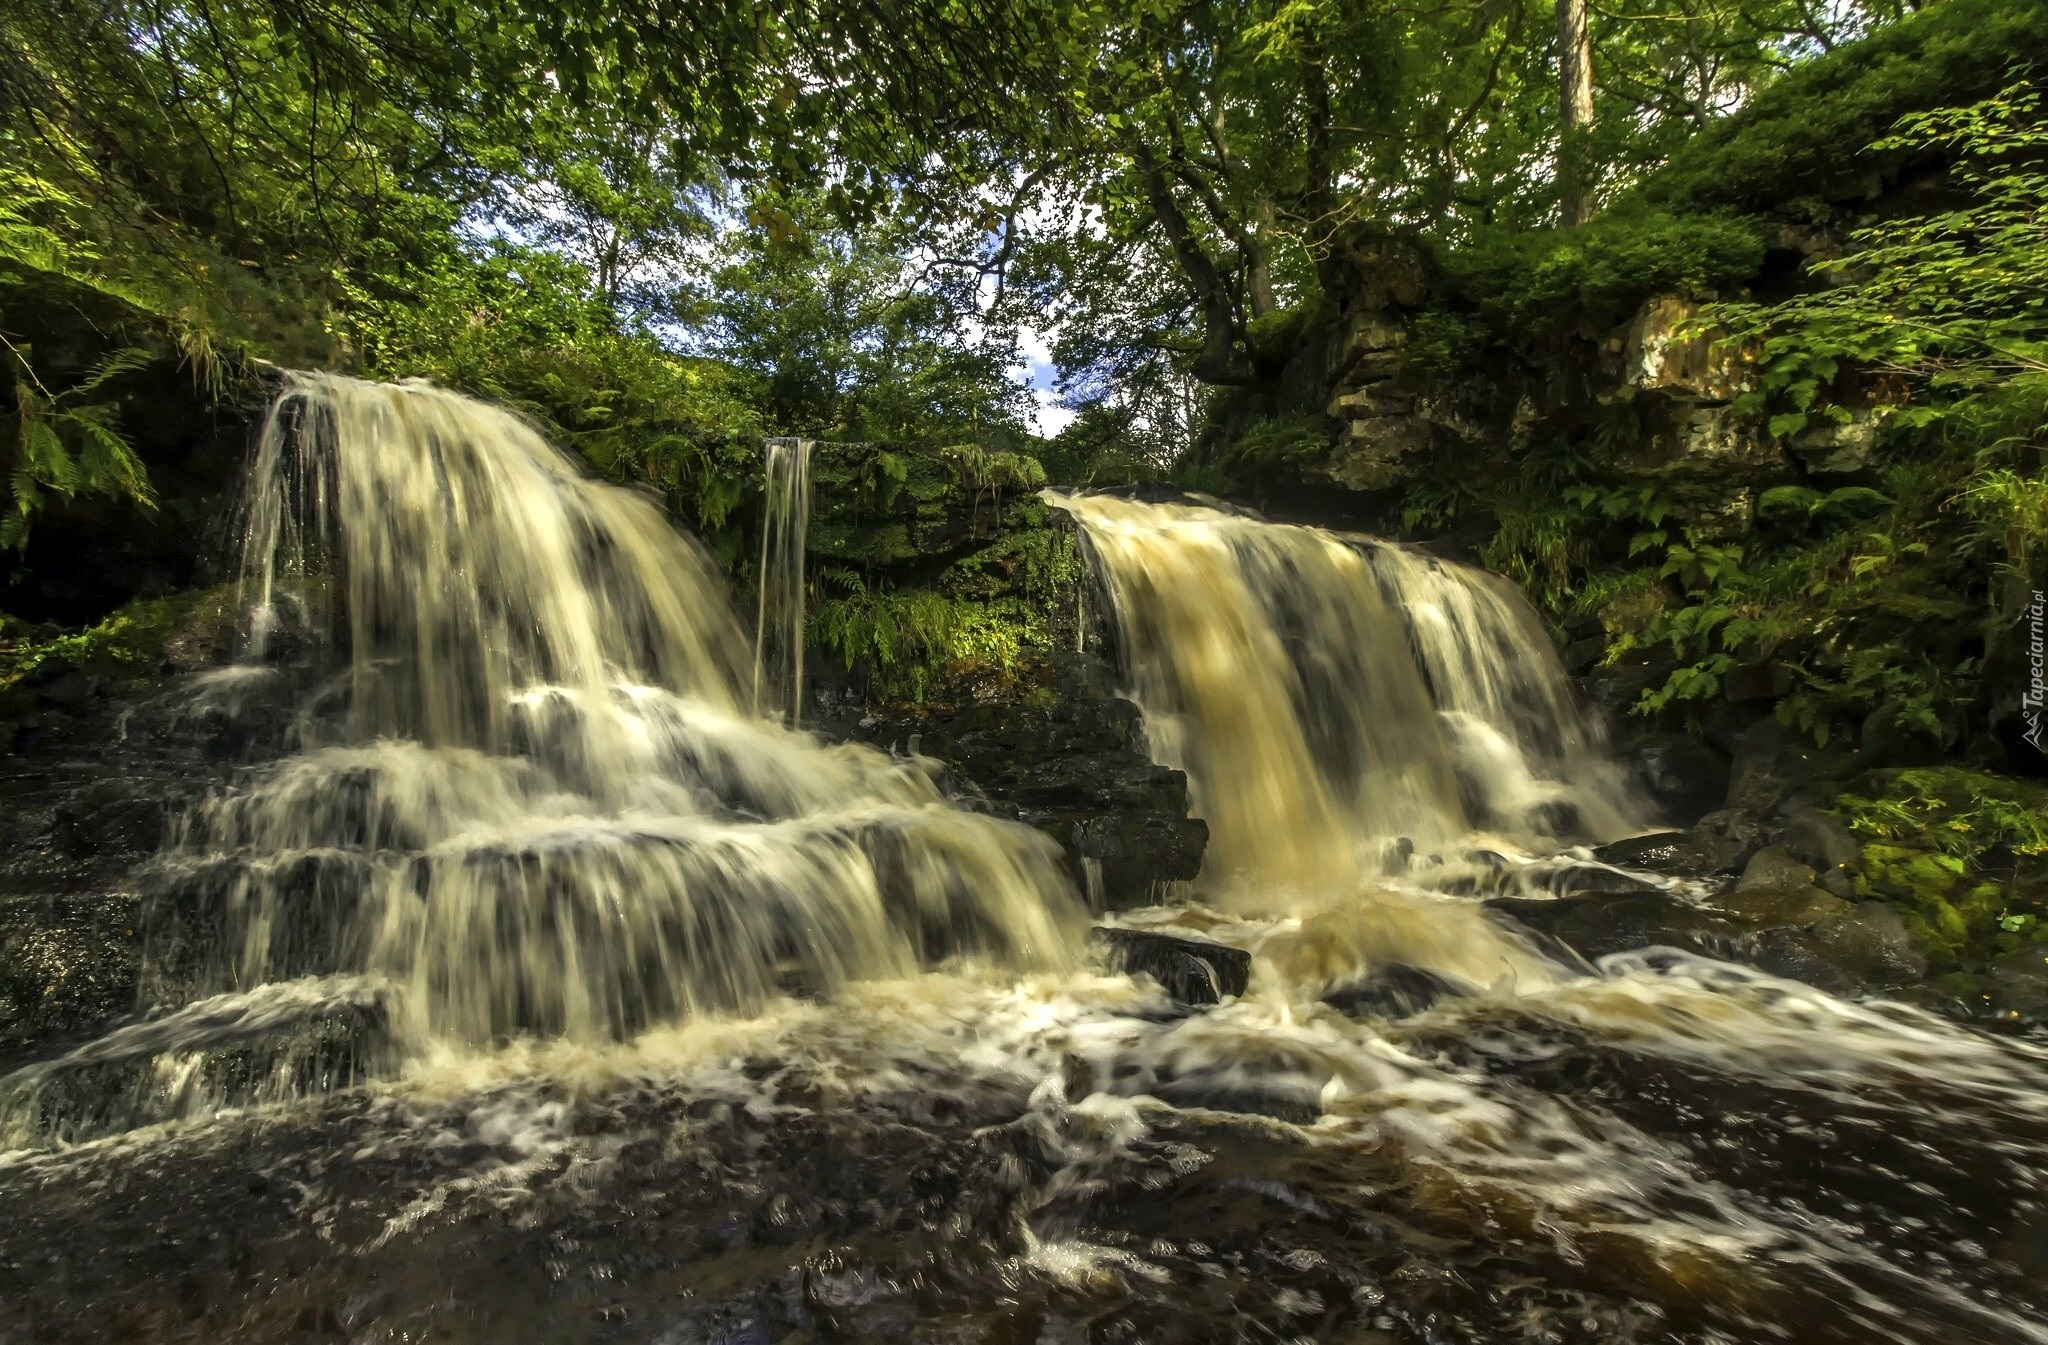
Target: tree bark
<point>1575,84</point>
<point>1221,359</point>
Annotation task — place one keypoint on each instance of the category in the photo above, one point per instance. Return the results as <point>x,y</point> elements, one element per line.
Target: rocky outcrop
<point>1009,681</point>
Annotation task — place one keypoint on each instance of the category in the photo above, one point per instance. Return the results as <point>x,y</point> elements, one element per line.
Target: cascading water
<point>779,618</point>
<point>1341,704</point>
<point>535,839</point>
<point>544,805</point>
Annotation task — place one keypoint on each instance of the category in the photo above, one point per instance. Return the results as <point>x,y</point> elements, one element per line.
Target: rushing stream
<point>553,987</point>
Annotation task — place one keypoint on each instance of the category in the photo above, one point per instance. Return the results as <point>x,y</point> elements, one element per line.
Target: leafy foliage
<point>1965,852</point>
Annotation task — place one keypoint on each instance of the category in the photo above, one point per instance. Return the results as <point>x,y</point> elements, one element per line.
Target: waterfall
<point>1341,703</point>
<point>534,796</point>
<point>779,618</point>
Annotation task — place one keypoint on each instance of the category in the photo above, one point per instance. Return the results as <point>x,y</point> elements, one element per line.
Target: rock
<point>1773,868</point>
<point>2016,985</point>
<point>1675,854</point>
<point>1757,682</point>
<point>1821,839</point>
<point>1395,990</point>
<point>1683,776</point>
<point>1838,447</point>
<point>1379,452</point>
<point>1774,773</point>
<point>1875,943</point>
<point>1136,851</point>
<point>1777,890</point>
<point>1727,838</point>
<point>1699,365</point>
<point>1595,924</point>
<point>1193,971</point>
<point>1865,948</point>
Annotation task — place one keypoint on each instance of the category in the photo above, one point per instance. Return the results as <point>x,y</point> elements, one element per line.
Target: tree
<point>845,334</point>
<point>1575,81</point>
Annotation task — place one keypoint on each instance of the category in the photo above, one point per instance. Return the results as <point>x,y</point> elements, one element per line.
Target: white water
<point>544,803</point>
<point>1341,706</point>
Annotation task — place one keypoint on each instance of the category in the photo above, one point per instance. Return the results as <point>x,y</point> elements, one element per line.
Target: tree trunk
<point>1575,80</point>
<point>1259,262</point>
<point>1221,360</point>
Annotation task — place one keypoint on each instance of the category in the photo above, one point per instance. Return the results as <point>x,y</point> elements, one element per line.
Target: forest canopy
<point>676,223</point>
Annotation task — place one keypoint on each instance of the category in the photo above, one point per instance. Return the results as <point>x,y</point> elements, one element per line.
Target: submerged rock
<point>1395,990</point>
<point>1596,924</point>
<point>1193,971</point>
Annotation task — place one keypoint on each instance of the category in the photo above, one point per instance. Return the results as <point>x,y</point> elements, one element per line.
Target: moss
<point>136,640</point>
<point>1965,852</point>
<point>1535,286</point>
<point>915,641</point>
<point>1790,141</point>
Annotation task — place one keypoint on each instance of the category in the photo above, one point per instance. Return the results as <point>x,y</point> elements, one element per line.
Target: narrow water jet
<point>779,615</point>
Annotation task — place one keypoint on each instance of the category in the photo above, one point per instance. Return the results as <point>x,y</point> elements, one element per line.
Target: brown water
<point>549,993</point>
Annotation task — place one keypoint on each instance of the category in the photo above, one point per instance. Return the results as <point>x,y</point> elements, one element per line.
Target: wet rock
<point>1683,776</point>
<point>1394,990</point>
<point>1133,853</point>
<point>1193,971</point>
<point>1595,924</point>
<point>1076,768</point>
<point>1777,890</point>
<point>1675,854</point>
<point>1773,868</point>
<point>1592,878</point>
<point>2016,986</point>
<point>1867,947</point>
<point>1727,838</point>
<point>120,817</point>
<point>1820,839</point>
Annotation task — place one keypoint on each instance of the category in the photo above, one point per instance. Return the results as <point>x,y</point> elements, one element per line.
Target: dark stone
<point>1821,839</point>
<point>1596,924</point>
<point>2016,986</point>
<point>1395,990</point>
<point>1193,971</point>
<point>1866,948</point>
<point>1727,838</point>
<point>1683,776</point>
<point>1757,682</point>
<point>1674,854</point>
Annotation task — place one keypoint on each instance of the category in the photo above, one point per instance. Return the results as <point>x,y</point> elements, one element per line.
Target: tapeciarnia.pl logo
<point>2037,687</point>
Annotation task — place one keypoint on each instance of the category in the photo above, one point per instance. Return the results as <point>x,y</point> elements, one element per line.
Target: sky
<point>1049,417</point>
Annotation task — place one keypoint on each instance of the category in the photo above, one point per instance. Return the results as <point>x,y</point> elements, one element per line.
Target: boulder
<point>1820,839</point>
<point>1727,838</point>
<point>1777,890</point>
<point>1393,990</point>
<point>1595,924</point>
<point>1193,971</point>
<point>1675,854</point>
<point>1683,776</point>
<point>1867,947</point>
